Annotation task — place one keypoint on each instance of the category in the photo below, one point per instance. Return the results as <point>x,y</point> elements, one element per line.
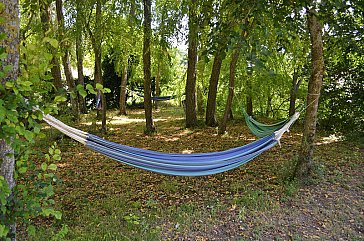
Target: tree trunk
<point>233,63</point>
<point>65,58</point>
<point>211,100</point>
<point>122,101</point>
<point>249,99</point>
<point>147,65</point>
<point>157,85</point>
<point>293,95</point>
<point>201,65</point>
<point>11,27</point>
<point>268,111</point>
<point>79,56</point>
<point>97,40</point>
<point>56,68</point>
<point>190,102</point>
<point>305,163</point>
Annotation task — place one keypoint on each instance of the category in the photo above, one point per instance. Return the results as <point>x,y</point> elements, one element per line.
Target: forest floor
<point>102,199</point>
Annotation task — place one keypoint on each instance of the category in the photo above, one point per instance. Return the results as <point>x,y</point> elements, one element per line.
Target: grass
<point>104,200</point>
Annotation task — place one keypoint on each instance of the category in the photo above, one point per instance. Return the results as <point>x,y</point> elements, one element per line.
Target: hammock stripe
<point>195,164</point>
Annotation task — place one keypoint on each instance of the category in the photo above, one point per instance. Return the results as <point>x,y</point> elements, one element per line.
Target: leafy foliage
<point>32,196</point>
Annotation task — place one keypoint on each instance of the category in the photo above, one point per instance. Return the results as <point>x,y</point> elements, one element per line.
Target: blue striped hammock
<point>197,164</point>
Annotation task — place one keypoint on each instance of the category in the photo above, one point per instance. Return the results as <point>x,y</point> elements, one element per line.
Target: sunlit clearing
<point>168,139</point>
<point>119,120</point>
<point>329,139</point>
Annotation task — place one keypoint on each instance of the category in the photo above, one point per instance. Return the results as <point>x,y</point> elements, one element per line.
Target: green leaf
<point>83,93</point>
<point>52,167</point>
<point>57,215</point>
<point>51,41</point>
<point>99,86</point>
<point>28,135</point>
<point>57,157</point>
<point>79,87</point>
<point>106,90</point>
<point>31,230</point>
<point>59,98</point>
<point>44,166</point>
<point>22,170</point>
<point>3,231</point>
<point>90,89</point>
<point>9,84</point>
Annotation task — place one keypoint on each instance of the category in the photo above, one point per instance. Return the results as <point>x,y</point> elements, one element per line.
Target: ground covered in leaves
<point>102,199</point>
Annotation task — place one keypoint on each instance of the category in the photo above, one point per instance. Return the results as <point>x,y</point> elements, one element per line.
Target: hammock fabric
<point>260,129</point>
<point>198,164</point>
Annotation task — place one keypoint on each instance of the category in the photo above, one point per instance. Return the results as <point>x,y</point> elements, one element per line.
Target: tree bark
<point>11,27</point>
<point>157,85</point>
<point>148,108</point>
<point>65,58</point>
<point>211,100</point>
<point>233,63</point>
<point>249,99</point>
<point>293,95</point>
<point>122,101</point>
<point>201,65</point>
<point>268,111</point>
<point>79,56</point>
<point>96,39</point>
<point>305,163</point>
<point>56,68</point>
<point>190,102</point>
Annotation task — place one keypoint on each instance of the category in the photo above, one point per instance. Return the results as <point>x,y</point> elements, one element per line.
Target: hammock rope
<point>195,164</point>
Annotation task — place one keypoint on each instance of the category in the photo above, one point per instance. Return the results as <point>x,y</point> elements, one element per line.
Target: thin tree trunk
<point>157,85</point>
<point>65,58</point>
<point>122,101</point>
<point>233,63</point>
<point>249,99</point>
<point>268,111</point>
<point>190,102</point>
<point>293,95</point>
<point>305,163</point>
<point>211,100</point>
<point>96,39</point>
<point>147,65</point>
<point>11,44</point>
<point>56,68</point>
<point>201,65</point>
<point>79,56</point>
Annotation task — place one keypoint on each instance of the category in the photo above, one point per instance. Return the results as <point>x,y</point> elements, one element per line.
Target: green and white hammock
<point>260,129</point>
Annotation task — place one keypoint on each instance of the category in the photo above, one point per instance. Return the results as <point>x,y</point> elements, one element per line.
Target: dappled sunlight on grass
<point>329,139</point>
<point>187,151</point>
